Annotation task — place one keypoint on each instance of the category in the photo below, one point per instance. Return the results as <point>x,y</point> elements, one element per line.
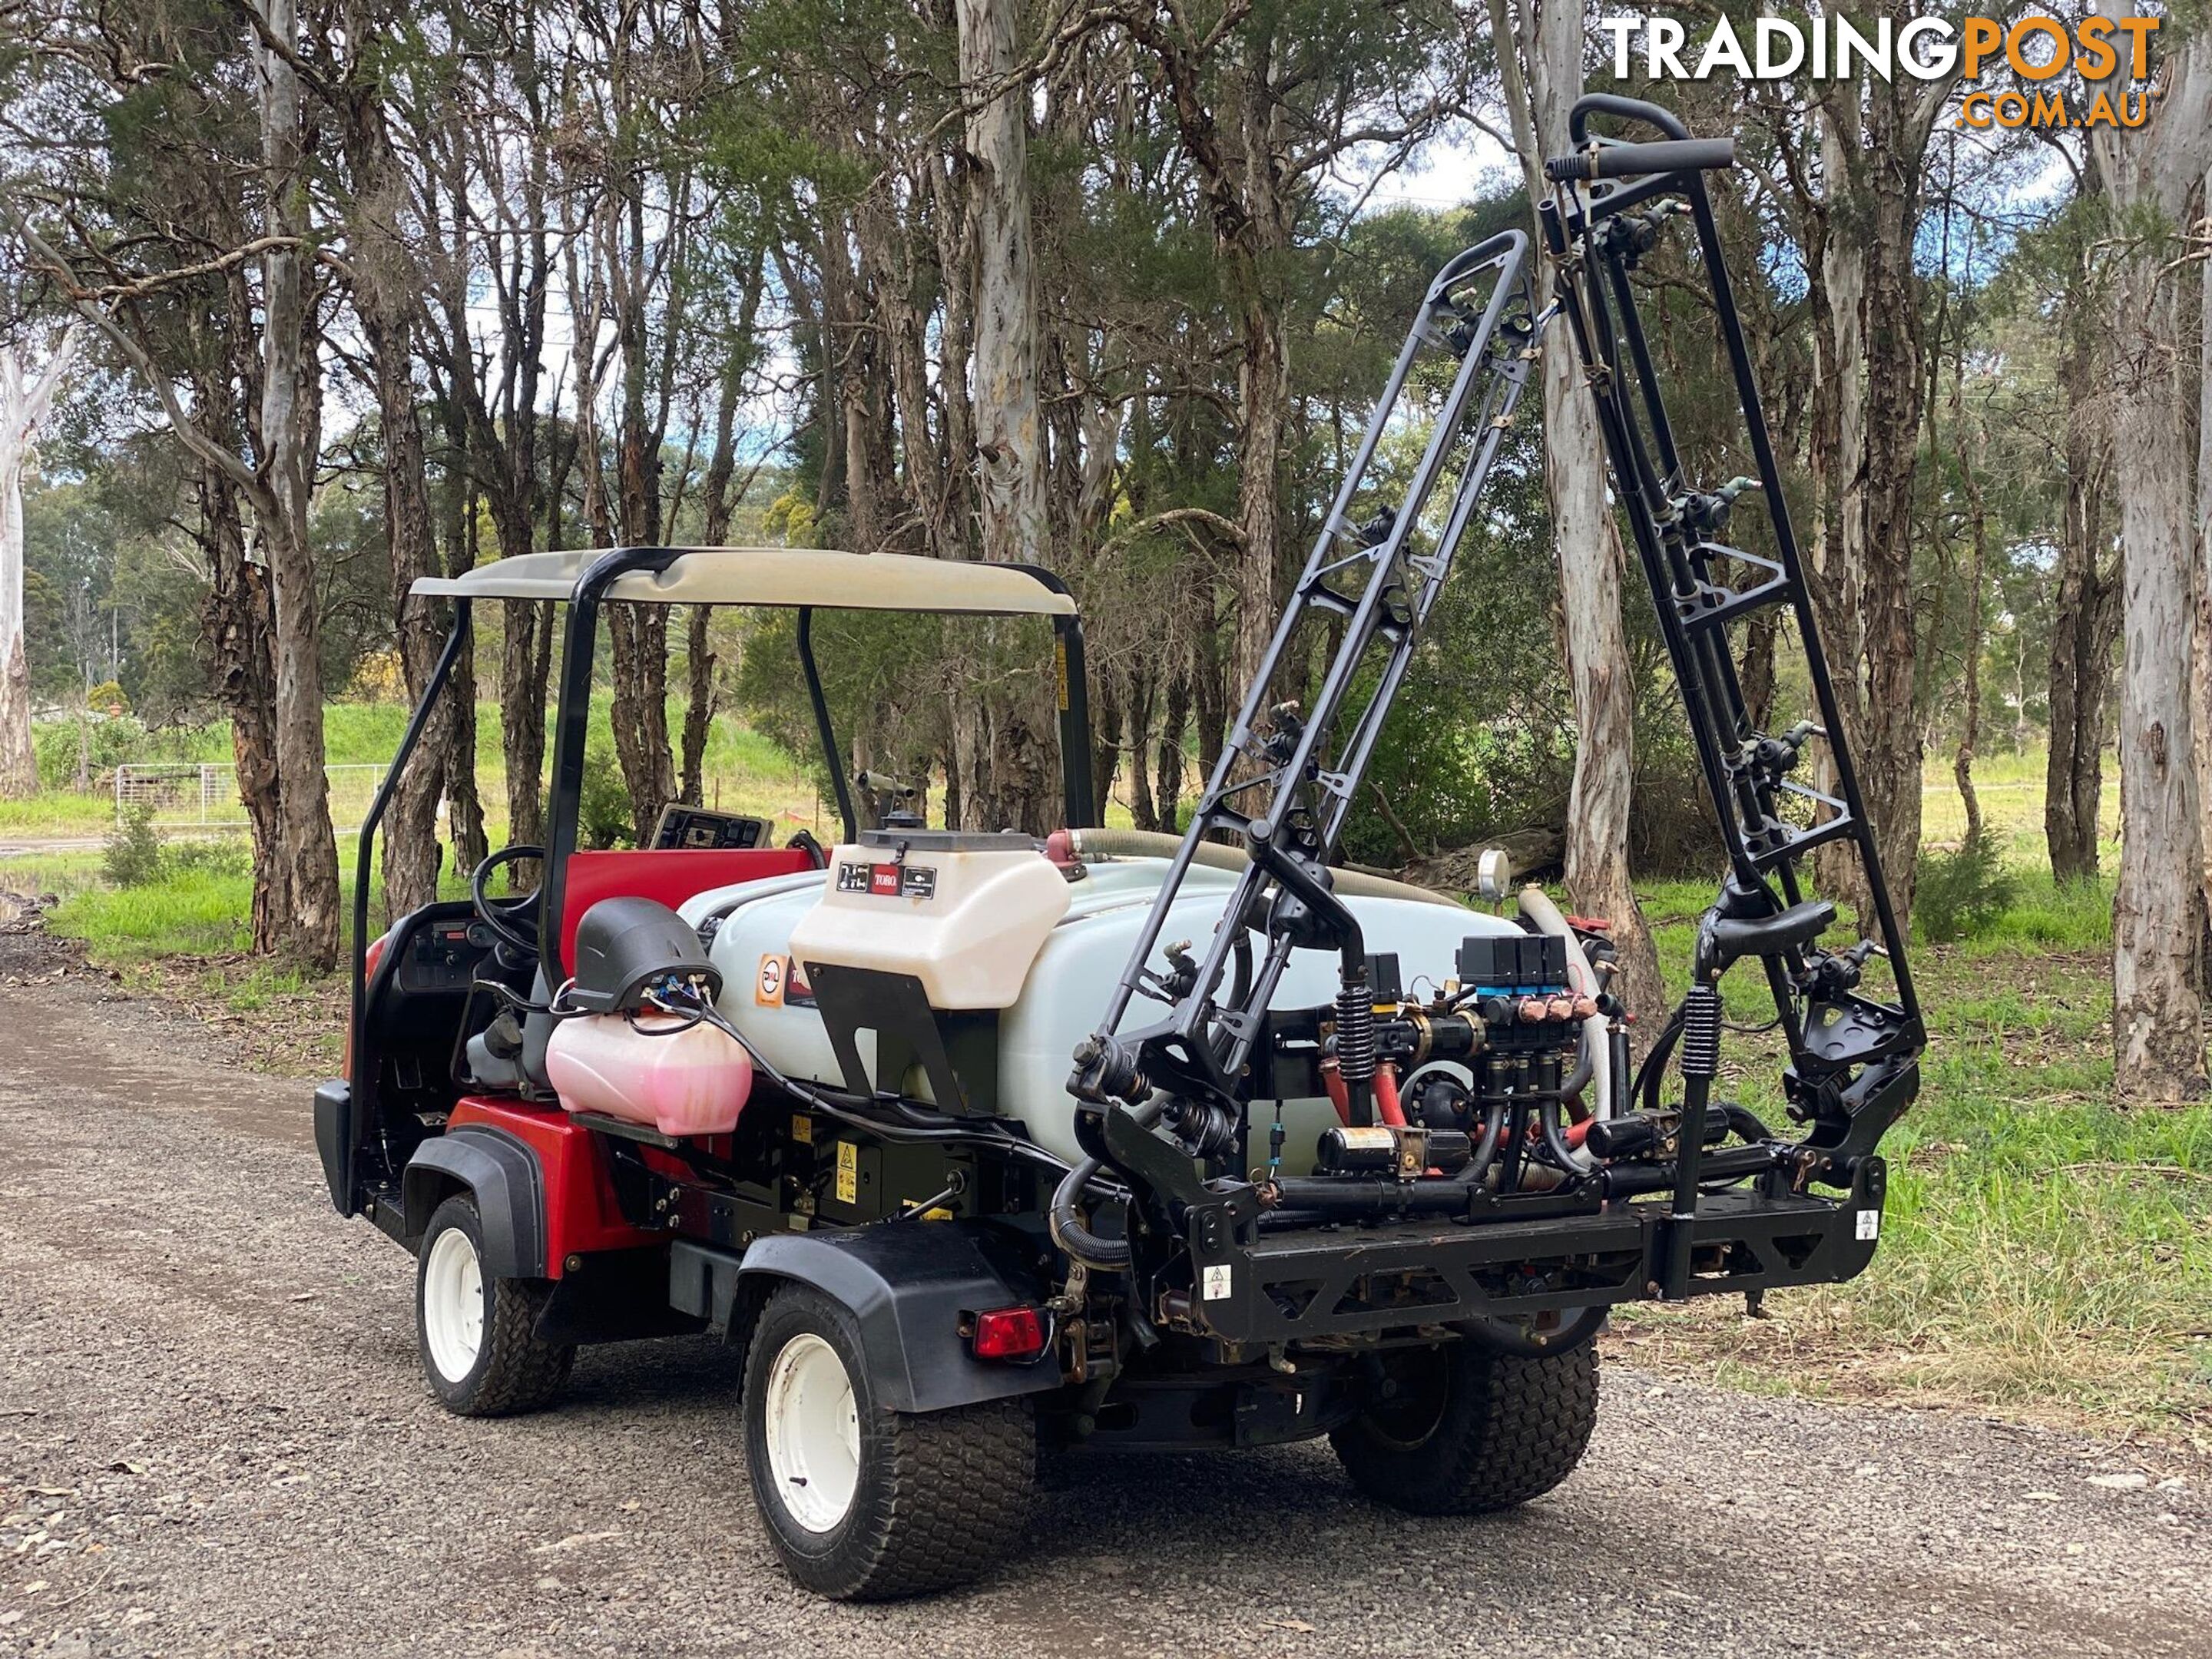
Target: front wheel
<point>477,1334</point>
<point>865,1504</point>
<point>1458,1429</point>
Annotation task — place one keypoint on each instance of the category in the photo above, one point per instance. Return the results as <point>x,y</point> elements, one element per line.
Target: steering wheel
<point>513,920</point>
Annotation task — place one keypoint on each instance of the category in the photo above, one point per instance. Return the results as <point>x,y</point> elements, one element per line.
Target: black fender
<point>509,1188</point>
<point>334,1139</point>
<point>910,1285</point>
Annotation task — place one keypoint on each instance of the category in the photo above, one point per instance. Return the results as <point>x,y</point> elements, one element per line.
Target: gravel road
<point>214,1438</point>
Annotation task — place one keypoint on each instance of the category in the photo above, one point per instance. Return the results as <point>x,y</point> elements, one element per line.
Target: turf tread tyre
<point>1510,1429</point>
<point>943,1497</point>
<point>514,1372</point>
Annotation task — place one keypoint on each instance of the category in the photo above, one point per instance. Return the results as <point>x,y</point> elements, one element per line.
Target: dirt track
<point>214,1438</point>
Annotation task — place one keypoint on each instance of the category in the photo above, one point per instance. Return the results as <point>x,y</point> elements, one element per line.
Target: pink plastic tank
<point>693,1082</point>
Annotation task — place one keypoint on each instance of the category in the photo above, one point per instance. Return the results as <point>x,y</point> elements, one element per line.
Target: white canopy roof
<point>774,576</point>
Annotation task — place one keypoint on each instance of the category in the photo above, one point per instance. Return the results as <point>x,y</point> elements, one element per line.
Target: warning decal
<point>849,1173</point>
<point>768,989</point>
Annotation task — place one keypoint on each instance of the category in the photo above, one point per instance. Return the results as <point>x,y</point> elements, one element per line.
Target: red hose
<point>1339,1095</point>
<point>1386,1096</point>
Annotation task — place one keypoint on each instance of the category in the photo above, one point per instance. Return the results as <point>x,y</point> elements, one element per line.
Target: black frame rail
<point>1853,1056</point>
<point>1286,780</point>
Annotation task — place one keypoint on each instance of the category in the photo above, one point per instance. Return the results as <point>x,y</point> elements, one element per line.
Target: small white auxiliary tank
<point>964,914</point>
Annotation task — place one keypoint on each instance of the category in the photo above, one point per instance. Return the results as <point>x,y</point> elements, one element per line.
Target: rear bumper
<point>1334,1282</point>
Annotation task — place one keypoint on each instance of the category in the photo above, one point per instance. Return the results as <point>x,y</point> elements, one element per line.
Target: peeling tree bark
<point>288,441</point>
<point>240,624</point>
<point>25,399</point>
<point>1543,77</point>
<point>2159,907</point>
<point>388,283</point>
<point>1012,785</point>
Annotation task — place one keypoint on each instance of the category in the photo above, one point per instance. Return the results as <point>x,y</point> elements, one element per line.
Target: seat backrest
<point>669,876</point>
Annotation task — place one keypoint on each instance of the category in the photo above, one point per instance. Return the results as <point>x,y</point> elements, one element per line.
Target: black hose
<point>1111,1256</point>
<point>1485,1148</point>
<point>814,1101</point>
<point>1650,1076</point>
<point>1555,1139</point>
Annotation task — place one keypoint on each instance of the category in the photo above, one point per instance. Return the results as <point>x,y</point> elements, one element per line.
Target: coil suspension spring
<point>1355,1032</point>
<point>1701,1032</point>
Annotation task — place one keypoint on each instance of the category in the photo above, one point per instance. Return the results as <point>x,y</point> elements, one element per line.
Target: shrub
<point>212,858</point>
<point>132,854</point>
<point>602,812</point>
<point>1961,895</point>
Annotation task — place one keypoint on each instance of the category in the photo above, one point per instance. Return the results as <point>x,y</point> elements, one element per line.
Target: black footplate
<point>1344,1281</point>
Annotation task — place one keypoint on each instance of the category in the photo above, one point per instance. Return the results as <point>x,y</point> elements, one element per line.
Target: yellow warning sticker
<point>849,1173</point>
<point>802,1130</point>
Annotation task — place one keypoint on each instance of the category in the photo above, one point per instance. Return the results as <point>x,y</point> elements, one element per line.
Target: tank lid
<point>952,841</point>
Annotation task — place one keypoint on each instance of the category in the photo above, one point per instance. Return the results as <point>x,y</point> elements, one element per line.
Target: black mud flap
<point>911,1285</point>
<point>509,1188</point>
<point>333,1135</point>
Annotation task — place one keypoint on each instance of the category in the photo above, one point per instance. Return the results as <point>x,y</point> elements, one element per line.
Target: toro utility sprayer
<point>1339,1156</point>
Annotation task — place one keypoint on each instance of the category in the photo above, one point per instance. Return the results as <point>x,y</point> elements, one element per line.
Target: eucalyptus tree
<point>2150,176</point>
<point>1539,44</point>
<point>26,396</point>
<point>172,208</point>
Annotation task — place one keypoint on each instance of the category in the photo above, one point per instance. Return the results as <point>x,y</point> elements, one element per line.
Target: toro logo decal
<point>888,880</point>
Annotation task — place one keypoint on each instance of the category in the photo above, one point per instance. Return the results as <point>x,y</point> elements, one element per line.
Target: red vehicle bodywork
<point>581,1213</point>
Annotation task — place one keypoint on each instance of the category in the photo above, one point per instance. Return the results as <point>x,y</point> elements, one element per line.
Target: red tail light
<point>1008,1334</point>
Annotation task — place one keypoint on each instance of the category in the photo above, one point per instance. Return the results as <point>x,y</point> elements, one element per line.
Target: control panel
<point>443,955</point>
<point>696,829</point>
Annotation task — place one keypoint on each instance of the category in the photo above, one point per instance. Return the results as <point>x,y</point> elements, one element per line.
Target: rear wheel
<point>1458,1429</point>
<point>477,1334</point>
<point>865,1504</point>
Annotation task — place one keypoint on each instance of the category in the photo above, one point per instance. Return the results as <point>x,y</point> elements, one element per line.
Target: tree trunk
<point>291,388</point>
<point>2201,659</point>
<point>1548,36</point>
<point>1892,741</point>
<point>239,621</point>
<point>699,710</point>
<point>24,402</point>
<point>2159,907</point>
<point>1015,778</point>
<point>2086,612</point>
<point>455,732</point>
<point>2158,910</point>
<point>387,285</point>
<point>1168,758</point>
<point>1969,731</point>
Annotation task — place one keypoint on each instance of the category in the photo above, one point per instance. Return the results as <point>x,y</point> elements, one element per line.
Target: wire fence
<point>204,795</point>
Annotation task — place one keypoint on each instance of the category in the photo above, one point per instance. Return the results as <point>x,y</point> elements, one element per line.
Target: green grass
<point>2042,1252</point>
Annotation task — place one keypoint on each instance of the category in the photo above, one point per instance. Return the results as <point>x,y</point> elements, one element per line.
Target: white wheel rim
<point>454,1305</point>
<point>814,1433</point>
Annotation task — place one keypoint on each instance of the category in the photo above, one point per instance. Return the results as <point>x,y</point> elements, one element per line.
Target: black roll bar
<point>572,733</point>
<point>363,864</point>
<point>822,725</point>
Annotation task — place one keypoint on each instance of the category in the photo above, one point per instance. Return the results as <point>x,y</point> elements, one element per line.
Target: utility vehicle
<point>973,1145</point>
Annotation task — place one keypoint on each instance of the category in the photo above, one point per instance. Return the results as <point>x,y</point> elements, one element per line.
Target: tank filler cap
<point>1493,873</point>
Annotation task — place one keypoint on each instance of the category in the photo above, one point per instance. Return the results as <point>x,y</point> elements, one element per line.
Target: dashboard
<point>443,955</point>
<point>694,829</point>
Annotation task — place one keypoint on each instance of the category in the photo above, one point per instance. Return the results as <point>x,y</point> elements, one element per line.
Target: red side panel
<point>672,877</point>
<point>580,1214</point>
<point>374,955</point>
